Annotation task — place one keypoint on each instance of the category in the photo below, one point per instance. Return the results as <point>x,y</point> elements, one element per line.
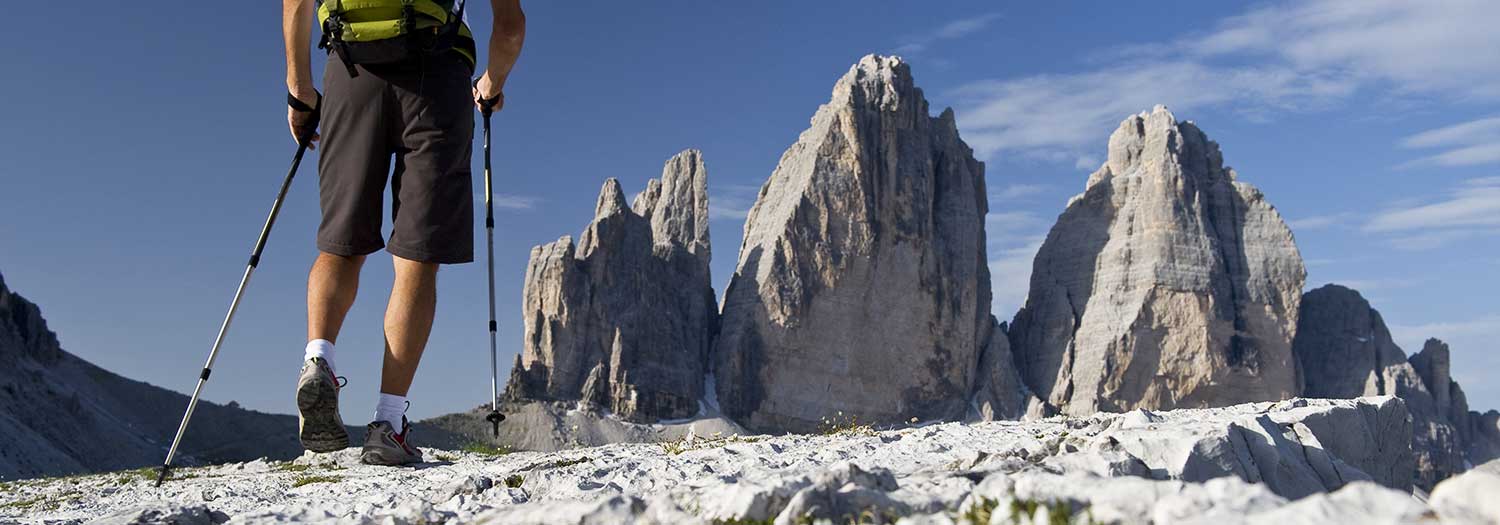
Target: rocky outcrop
<point>862,284</point>
<point>1167,283</point>
<point>60,414</point>
<point>624,319</point>
<point>999,392</point>
<point>1289,462</point>
<point>1346,350</point>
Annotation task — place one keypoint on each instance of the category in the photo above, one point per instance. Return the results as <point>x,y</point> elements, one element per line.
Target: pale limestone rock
<point>924,474</point>
<point>1472,497</point>
<point>1166,284</point>
<point>624,320</point>
<point>1295,448</point>
<point>1360,502</point>
<point>862,285</point>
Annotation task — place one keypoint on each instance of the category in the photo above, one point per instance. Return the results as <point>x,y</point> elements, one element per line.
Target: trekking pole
<point>260,244</point>
<point>487,108</point>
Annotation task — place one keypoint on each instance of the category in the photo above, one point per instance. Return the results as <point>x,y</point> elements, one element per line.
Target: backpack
<point>387,31</point>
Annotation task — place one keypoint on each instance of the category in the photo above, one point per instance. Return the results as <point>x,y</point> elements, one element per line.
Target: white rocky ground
<point>1256,463</point>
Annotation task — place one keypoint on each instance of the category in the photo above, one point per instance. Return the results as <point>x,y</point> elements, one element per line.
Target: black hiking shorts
<point>421,113</point>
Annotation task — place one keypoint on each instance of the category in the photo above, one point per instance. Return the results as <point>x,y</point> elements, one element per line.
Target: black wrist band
<point>291,100</point>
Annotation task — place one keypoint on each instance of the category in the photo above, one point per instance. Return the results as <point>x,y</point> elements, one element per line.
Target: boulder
<point>624,319</point>
<point>862,285</point>
<point>1296,448</point>
<point>1168,283</point>
<point>1469,498</point>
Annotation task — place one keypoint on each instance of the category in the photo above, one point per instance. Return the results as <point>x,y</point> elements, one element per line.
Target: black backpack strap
<point>333,37</point>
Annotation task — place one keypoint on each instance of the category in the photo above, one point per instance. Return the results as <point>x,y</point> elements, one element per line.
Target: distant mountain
<point>60,414</point>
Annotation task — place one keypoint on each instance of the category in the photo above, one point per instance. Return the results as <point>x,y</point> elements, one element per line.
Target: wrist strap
<point>486,105</point>
<point>291,100</point>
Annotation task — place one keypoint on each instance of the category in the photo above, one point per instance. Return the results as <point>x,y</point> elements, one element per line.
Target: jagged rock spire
<point>623,322</point>
<point>862,285</point>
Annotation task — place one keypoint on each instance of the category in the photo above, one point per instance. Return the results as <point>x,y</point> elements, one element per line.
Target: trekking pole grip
<point>317,112</point>
<point>486,105</point>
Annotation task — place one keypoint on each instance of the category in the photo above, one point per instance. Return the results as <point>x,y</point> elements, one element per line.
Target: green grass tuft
<point>485,449</point>
<point>682,444</point>
<point>980,512</point>
<point>292,467</point>
<point>842,425</point>
<point>569,462</point>
<point>514,481</point>
<point>1058,512</point>
<point>308,480</point>
<point>41,503</point>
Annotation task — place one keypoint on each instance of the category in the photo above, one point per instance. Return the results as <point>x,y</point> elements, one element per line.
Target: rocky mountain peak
<point>1156,144</point>
<point>624,322</point>
<point>862,285</point>
<point>880,82</point>
<point>1165,284</point>
<point>23,331</point>
<point>677,203</point>
<point>611,200</point>
<point>1434,364</point>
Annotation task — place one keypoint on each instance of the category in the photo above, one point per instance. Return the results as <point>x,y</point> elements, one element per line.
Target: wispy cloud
<point>1321,222</point>
<point>914,44</point>
<point>1464,144</point>
<point>1290,57</point>
<point>1014,238</point>
<point>1476,203</point>
<point>1010,277</point>
<point>1018,191</point>
<point>733,202</point>
<point>1366,286</point>
<point>1065,114</point>
<point>1007,226</point>
<point>1472,342</point>
<point>1087,162</point>
<point>507,201</point>
<point>1469,210</point>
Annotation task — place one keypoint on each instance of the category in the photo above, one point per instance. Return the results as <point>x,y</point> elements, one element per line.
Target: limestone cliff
<point>1167,283</point>
<point>862,284</point>
<point>624,319</point>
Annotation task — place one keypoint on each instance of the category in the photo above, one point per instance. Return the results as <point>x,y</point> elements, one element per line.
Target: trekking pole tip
<point>162,475</point>
<point>495,418</point>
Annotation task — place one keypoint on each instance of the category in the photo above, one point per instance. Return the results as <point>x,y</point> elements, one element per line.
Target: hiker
<point>397,84</point>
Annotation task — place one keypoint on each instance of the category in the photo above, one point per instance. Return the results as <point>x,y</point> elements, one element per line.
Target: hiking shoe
<point>318,423</point>
<point>385,446</point>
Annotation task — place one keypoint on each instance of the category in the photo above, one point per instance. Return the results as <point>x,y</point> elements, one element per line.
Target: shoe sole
<point>385,457</point>
<point>320,429</point>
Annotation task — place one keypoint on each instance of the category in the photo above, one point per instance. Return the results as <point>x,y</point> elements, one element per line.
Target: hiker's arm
<point>507,34</point>
<point>296,33</point>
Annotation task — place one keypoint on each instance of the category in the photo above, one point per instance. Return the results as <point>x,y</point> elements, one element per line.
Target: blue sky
<point>142,152</point>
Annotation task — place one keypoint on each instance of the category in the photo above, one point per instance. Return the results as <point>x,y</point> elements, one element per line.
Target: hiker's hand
<point>300,120</point>
<point>485,89</point>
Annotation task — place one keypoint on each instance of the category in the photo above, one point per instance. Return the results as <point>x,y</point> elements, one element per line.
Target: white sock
<point>391,409</point>
<point>319,348</point>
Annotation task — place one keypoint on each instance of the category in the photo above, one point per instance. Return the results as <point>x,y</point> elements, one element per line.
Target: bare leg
<point>408,321</point>
<point>331,287</point>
